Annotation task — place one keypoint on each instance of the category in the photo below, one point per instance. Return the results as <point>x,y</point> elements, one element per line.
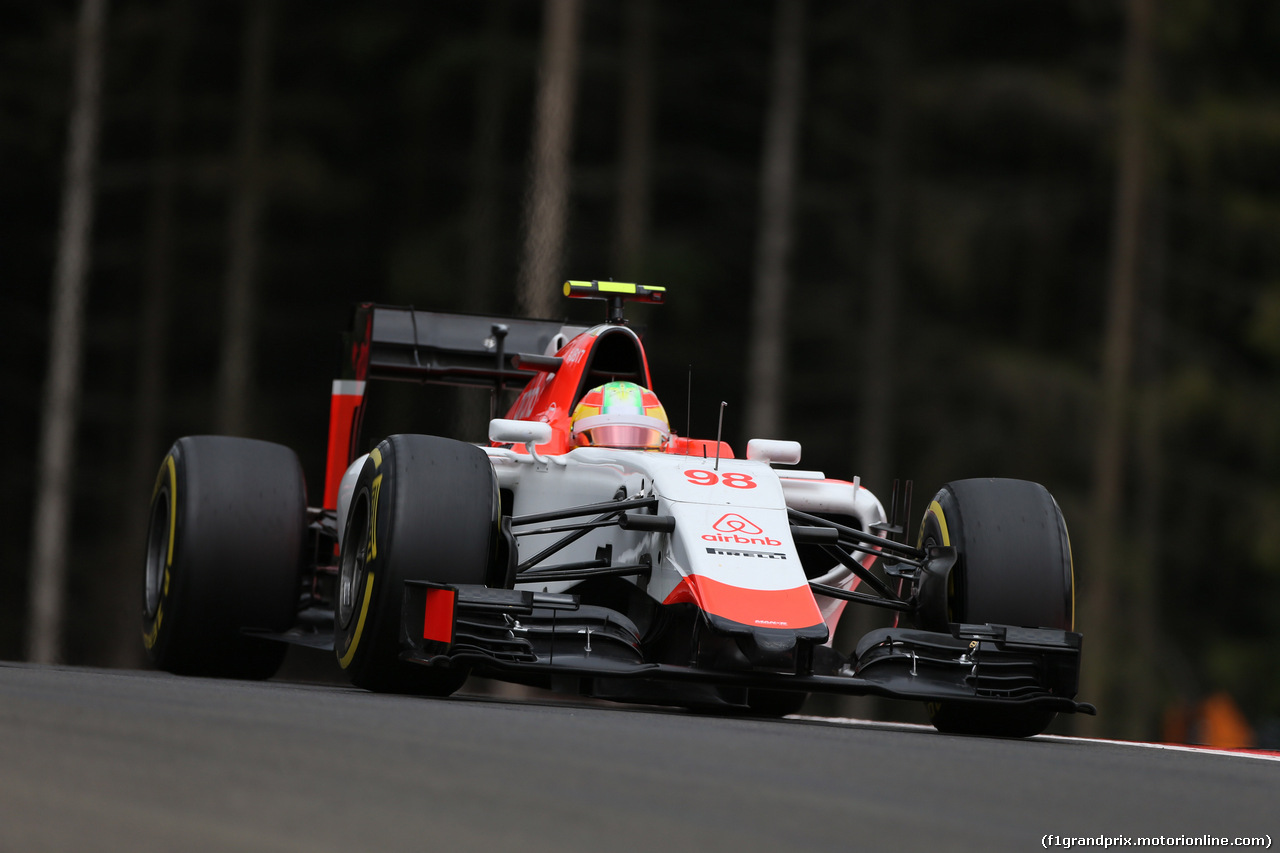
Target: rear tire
<point>423,508</point>
<point>1013,567</point>
<point>224,553</point>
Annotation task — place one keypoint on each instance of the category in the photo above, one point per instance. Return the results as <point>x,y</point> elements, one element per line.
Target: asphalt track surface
<point>102,760</point>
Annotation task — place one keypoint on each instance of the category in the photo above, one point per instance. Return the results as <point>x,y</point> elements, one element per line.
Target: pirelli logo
<point>733,552</point>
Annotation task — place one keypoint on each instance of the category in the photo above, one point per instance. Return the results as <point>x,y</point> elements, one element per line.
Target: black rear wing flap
<point>390,342</point>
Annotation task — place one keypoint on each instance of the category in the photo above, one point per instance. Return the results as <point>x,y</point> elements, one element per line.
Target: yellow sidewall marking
<point>345,660</point>
<point>376,456</point>
<point>149,637</point>
<point>936,509</point>
<point>376,488</point>
<point>173,510</point>
<point>173,499</point>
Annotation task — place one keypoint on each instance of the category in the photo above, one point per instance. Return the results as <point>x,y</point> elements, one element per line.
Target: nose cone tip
<point>769,648</point>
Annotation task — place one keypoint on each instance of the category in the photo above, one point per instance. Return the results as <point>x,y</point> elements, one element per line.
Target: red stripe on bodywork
<point>767,608</point>
<point>342,415</point>
<point>437,623</point>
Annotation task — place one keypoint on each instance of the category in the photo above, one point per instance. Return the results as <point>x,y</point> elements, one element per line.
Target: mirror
<point>774,452</point>
<point>506,431</point>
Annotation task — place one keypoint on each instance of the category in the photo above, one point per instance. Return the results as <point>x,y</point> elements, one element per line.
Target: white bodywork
<point>346,488</point>
<point>732,528</point>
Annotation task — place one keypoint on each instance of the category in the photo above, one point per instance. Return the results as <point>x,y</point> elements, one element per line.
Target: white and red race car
<point>588,548</point>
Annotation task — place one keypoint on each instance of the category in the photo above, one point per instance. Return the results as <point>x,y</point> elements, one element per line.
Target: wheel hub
<point>352,560</point>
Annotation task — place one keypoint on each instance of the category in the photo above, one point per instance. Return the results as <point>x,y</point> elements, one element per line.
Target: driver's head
<point>621,415</point>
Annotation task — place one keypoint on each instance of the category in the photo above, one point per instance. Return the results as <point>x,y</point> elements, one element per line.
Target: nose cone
<point>771,648</point>
<point>736,609</point>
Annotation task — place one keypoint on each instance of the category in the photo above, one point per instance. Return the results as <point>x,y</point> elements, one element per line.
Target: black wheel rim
<point>157,552</point>
<point>355,548</point>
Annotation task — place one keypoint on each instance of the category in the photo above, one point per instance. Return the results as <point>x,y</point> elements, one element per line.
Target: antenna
<point>688,412</point>
<point>719,430</point>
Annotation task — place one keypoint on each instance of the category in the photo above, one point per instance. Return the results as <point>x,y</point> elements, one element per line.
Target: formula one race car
<point>588,548</point>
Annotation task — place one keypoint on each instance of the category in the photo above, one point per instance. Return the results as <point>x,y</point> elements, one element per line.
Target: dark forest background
<point>1036,240</point>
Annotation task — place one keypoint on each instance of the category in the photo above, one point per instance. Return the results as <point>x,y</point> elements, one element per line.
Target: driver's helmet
<point>621,415</point>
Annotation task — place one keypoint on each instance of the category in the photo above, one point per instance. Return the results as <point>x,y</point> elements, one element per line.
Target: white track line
<point>917,727</point>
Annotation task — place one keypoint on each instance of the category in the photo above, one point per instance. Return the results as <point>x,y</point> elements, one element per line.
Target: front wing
<point>521,635</point>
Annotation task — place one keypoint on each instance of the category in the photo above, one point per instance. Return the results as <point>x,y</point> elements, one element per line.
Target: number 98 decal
<point>734,480</point>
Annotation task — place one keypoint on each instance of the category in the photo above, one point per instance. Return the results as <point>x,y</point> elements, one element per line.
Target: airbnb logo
<point>732,528</point>
<point>734,523</point>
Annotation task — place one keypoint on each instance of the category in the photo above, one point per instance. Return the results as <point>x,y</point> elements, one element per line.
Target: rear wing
<point>397,343</point>
<point>387,342</point>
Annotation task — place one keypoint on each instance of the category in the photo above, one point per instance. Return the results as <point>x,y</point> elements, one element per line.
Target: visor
<point>625,431</point>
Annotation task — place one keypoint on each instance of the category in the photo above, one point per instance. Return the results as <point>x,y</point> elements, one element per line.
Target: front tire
<point>423,508</point>
<point>224,553</point>
<point>1013,567</point>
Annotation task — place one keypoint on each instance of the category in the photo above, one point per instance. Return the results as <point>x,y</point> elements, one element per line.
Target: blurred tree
<point>173,23</point>
<point>486,156</point>
<point>51,535</point>
<point>1219,126</point>
<point>235,369</point>
<point>547,210</point>
<point>1107,563</point>
<point>1146,675</point>
<point>767,362</point>
<point>636,135</point>
<point>875,414</point>
<point>873,455</point>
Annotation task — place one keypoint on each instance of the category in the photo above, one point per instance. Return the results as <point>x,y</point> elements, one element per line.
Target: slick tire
<point>1013,567</point>
<point>423,508</point>
<point>225,547</point>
